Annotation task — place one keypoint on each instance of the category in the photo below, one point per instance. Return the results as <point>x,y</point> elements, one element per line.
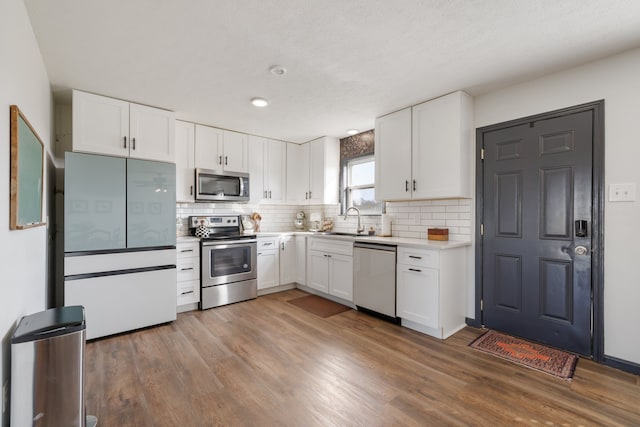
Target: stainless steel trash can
<point>47,369</point>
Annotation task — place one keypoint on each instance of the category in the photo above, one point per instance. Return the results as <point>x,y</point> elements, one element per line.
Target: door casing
<point>598,192</point>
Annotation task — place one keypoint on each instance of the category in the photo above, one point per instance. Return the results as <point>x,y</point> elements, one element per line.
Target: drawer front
<point>341,247</point>
<point>419,257</point>
<point>188,269</point>
<point>188,292</point>
<point>188,250</point>
<point>265,243</point>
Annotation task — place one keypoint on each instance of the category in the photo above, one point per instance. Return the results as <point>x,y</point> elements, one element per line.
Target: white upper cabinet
<point>393,156</point>
<point>313,172</point>
<point>185,149</point>
<point>221,150</point>
<point>424,152</point>
<point>103,125</point>
<point>268,169</point>
<point>442,146</point>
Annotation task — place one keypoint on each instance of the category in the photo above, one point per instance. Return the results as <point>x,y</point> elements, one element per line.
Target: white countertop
<point>400,241</point>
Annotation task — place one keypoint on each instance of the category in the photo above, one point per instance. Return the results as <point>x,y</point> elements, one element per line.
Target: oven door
<point>228,261</point>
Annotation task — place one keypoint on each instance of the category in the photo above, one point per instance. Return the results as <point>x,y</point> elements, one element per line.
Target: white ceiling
<point>348,61</point>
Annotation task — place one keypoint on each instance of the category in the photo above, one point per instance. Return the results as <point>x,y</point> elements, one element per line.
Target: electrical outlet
<point>5,396</point>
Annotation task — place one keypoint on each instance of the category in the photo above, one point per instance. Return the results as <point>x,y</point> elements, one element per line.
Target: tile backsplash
<point>409,219</point>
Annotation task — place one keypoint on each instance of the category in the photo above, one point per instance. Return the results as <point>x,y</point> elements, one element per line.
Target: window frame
<point>345,181</point>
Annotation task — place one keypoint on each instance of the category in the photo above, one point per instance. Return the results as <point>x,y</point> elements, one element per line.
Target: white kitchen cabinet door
<point>298,174</point>
<point>208,148</point>
<point>185,156</point>
<point>341,276</point>
<point>235,156</point>
<point>324,171</point>
<point>393,180</point>
<point>442,147</point>
<point>152,133</point>
<point>257,192</point>
<point>268,268</point>
<point>100,125</point>
<point>275,171</point>
<point>318,271</point>
<point>301,260</point>
<point>418,297</point>
<point>288,259</point>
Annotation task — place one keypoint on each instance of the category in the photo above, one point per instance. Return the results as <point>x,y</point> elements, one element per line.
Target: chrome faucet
<point>360,228</point>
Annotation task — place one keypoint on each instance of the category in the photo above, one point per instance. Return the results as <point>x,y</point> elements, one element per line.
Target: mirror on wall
<point>27,155</point>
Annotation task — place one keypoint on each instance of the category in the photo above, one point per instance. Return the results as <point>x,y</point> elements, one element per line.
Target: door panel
<point>537,182</point>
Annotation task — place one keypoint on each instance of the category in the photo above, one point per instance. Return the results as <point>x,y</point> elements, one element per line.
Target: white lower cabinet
<point>430,290</point>
<point>330,267</point>
<point>288,259</point>
<point>188,272</point>
<point>268,262</point>
<point>301,260</point>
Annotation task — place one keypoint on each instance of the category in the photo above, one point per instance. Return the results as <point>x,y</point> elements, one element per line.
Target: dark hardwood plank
<point>267,362</point>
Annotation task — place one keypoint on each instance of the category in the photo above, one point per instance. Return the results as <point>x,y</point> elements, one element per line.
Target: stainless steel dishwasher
<point>374,278</point>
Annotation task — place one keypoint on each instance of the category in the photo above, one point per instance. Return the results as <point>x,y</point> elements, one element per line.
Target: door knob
<point>581,250</point>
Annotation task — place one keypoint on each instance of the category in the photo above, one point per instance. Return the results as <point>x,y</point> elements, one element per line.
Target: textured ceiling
<point>348,61</point>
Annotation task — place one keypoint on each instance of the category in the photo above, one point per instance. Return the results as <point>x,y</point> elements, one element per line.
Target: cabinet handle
<point>416,270</point>
<point>191,190</point>
<point>225,160</point>
<point>282,245</point>
<point>414,185</point>
<point>406,185</point>
<point>269,193</point>
<point>259,253</point>
<point>133,143</point>
<point>186,250</point>
<point>265,194</point>
<point>188,268</point>
<point>267,243</point>
<point>186,293</point>
<point>125,142</point>
<point>309,194</point>
<point>220,160</point>
<point>415,257</point>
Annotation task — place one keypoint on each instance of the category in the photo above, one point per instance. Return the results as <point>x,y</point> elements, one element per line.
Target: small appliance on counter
<point>300,220</point>
<point>441,234</point>
<point>248,227</point>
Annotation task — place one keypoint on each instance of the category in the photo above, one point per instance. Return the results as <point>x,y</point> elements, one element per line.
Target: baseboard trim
<point>623,365</point>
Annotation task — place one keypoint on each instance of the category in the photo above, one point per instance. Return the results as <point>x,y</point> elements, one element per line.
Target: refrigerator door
<point>151,204</point>
<point>94,203</point>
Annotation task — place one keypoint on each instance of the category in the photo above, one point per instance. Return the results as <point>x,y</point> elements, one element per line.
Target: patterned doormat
<point>319,306</point>
<point>536,356</point>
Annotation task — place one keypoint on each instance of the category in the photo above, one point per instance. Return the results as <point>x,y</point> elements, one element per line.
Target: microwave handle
<point>241,186</point>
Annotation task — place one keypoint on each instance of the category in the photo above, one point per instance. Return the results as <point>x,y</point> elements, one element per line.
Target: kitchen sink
<point>338,233</point>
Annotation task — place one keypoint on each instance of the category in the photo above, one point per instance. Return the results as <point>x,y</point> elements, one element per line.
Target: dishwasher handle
<point>375,246</point>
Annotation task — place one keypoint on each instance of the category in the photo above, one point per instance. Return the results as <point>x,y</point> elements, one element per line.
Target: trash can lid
<point>49,323</point>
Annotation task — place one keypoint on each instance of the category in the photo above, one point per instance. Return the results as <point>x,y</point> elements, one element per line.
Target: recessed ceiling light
<point>352,131</point>
<point>278,70</point>
<point>259,102</point>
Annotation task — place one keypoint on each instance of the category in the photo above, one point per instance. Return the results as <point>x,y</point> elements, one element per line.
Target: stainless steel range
<point>227,260</point>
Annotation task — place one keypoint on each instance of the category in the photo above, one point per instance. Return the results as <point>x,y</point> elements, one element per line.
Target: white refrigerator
<point>119,241</point>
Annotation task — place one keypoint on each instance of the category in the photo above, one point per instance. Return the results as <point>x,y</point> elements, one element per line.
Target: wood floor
<point>266,362</point>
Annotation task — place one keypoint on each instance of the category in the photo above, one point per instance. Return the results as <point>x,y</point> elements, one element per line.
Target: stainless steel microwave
<point>216,186</point>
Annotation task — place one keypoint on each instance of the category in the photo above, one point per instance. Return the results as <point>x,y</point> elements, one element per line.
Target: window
<point>359,190</point>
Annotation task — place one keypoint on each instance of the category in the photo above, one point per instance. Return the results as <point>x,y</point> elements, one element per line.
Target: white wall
<point>23,254</point>
<point>617,81</point>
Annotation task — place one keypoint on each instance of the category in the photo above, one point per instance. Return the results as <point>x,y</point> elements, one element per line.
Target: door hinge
<point>482,229</point>
<point>481,304</point>
<point>482,154</point>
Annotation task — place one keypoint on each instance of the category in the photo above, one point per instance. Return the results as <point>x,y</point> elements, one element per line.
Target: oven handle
<point>223,244</point>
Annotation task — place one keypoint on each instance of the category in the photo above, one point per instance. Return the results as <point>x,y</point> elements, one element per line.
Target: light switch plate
<point>622,192</point>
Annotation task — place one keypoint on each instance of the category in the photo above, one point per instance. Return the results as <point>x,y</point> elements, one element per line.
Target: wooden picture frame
<point>27,171</point>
